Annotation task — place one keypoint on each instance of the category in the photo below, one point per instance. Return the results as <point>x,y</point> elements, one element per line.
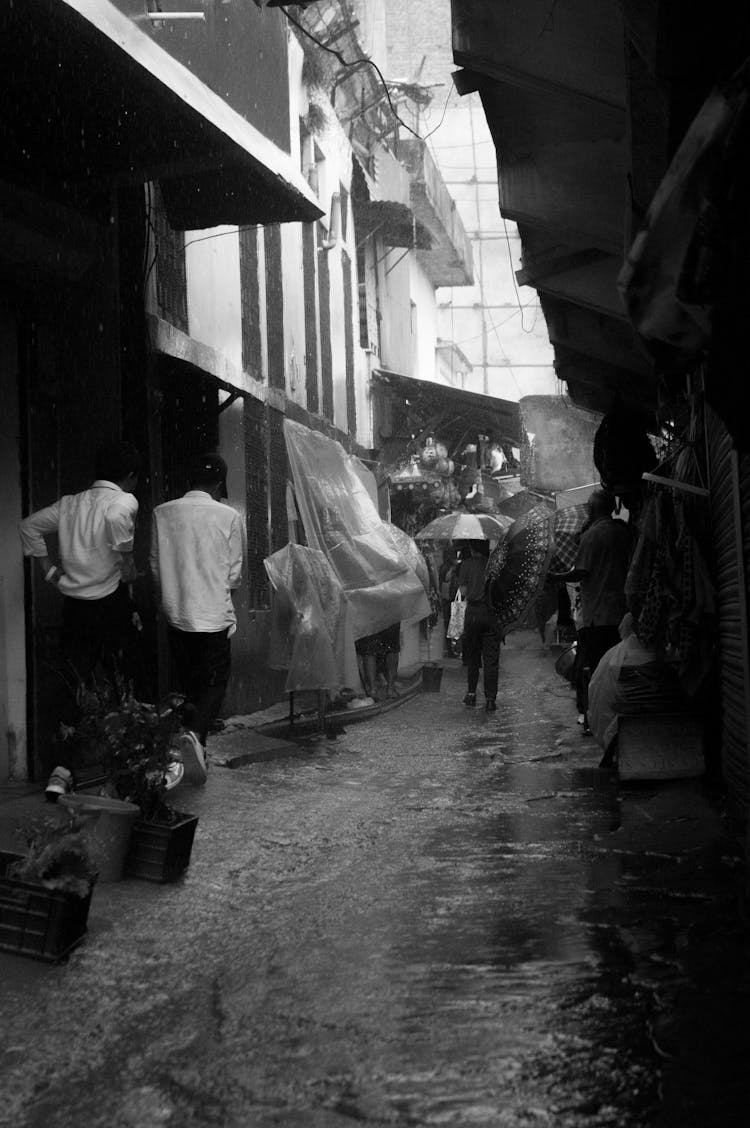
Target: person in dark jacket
<point>601,568</point>
<point>448,587</point>
<point>481,638</point>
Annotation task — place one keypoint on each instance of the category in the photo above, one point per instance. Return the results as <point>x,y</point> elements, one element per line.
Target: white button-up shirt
<point>196,561</point>
<point>94,529</point>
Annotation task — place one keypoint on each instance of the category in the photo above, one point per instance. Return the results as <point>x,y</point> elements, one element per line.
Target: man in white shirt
<point>196,563</point>
<point>95,531</point>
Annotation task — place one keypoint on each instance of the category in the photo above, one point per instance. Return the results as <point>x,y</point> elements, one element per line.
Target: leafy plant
<point>135,739</point>
<point>139,741</point>
<point>315,119</point>
<point>57,855</point>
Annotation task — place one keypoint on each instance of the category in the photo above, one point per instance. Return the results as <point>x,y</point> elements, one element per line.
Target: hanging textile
<point>668,587</point>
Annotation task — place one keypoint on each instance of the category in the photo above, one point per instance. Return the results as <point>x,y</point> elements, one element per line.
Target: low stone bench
<point>659,746</point>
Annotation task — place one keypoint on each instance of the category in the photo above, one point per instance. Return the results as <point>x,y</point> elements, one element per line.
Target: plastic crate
<point>160,852</point>
<point>45,924</point>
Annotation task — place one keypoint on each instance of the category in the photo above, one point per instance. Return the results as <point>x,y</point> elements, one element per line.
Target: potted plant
<point>140,741</point>
<point>137,748</point>
<point>45,893</point>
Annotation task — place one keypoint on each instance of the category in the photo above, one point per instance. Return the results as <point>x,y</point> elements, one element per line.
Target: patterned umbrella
<point>567,533</point>
<point>465,526</point>
<point>523,501</point>
<point>518,567</point>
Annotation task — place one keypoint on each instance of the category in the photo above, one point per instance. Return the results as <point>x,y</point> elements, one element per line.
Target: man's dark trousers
<point>203,662</point>
<point>99,631</point>
<point>593,644</point>
<point>481,647</point>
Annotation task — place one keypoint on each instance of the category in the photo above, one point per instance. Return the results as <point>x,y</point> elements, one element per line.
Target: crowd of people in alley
<point>617,667</point>
<point>195,565</point>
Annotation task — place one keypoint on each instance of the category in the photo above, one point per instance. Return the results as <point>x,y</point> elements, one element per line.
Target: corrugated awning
<point>117,107</point>
<point>455,406</point>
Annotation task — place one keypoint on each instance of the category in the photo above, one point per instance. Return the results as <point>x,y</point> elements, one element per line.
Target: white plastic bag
<point>458,614</point>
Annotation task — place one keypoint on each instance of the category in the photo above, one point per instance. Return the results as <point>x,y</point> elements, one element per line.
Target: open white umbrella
<point>465,526</point>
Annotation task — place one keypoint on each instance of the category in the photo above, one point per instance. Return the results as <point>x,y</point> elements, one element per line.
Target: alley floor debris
<point>439,918</point>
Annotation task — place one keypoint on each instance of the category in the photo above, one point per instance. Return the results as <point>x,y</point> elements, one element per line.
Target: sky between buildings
<point>497,324</point>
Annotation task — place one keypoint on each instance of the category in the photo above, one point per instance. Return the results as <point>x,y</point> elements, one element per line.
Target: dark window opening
<point>171,273</point>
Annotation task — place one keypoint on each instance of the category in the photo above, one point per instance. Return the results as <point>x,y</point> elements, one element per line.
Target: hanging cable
<point>353,65</point>
<point>218,234</point>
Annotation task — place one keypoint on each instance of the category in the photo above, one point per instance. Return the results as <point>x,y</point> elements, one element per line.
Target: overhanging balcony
<point>449,261</point>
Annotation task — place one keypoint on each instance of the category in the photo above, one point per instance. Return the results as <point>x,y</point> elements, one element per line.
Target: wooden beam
<point>544,266</point>
<point>483,71</point>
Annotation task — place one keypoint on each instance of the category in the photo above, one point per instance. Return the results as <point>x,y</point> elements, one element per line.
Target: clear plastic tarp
<point>311,629</point>
<point>341,520</point>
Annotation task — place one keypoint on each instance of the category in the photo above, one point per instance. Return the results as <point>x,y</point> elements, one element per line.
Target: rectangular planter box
<point>161,853</point>
<point>45,924</point>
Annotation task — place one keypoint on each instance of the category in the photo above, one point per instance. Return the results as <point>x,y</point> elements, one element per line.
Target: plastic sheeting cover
<point>311,634</point>
<point>341,520</point>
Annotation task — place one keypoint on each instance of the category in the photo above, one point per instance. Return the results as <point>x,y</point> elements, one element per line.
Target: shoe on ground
<point>59,783</point>
<point>174,774</point>
<point>470,699</point>
<point>193,758</point>
<point>490,705</point>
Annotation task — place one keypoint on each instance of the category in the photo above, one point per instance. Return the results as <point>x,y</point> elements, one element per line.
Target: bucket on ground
<point>108,832</point>
<point>431,678</point>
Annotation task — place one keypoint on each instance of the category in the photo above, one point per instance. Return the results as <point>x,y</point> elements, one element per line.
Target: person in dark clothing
<point>448,587</point>
<point>481,638</point>
<point>95,531</point>
<point>196,564</point>
<point>601,568</point>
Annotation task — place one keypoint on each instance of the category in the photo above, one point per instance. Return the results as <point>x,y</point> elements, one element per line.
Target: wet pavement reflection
<point>440,918</point>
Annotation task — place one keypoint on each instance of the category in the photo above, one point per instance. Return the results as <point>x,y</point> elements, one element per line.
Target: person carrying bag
<point>481,637</point>
<point>458,616</point>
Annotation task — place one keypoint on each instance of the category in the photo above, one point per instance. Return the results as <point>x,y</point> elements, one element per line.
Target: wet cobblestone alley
<point>442,917</point>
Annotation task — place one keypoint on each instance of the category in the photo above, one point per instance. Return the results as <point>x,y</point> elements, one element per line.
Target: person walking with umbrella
<point>481,638</point>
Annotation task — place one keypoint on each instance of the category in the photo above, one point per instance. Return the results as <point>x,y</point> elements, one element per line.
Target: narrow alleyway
<point>440,918</point>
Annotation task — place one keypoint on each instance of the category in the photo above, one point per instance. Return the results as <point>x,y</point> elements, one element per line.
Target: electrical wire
<point>510,263</point>
<point>445,111</point>
<point>358,63</point>
<point>218,234</point>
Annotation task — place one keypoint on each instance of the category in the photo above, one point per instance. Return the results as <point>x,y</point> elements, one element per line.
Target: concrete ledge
<point>660,746</point>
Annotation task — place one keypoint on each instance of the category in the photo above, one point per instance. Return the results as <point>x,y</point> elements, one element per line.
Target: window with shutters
<point>171,273</point>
